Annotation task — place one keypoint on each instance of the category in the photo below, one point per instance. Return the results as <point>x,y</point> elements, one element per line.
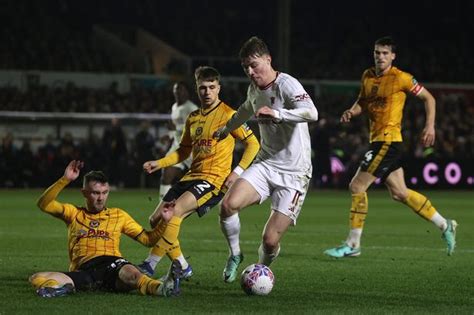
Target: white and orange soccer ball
<point>257,279</point>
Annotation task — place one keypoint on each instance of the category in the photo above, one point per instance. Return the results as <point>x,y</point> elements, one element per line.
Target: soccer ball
<point>257,279</point>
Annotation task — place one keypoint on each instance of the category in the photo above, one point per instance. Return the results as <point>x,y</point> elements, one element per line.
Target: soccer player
<point>382,96</point>
<point>94,236</point>
<point>210,174</point>
<point>179,112</point>
<point>282,169</point>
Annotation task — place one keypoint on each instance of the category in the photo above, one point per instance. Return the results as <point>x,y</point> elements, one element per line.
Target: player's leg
<point>130,278</point>
<point>276,226</point>
<point>148,266</point>
<point>358,213</point>
<point>169,177</point>
<point>240,195</point>
<point>422,206</point>
<point>52,284</point>
<point>287,201</point>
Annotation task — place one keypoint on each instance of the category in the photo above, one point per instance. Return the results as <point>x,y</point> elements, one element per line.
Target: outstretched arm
<point>47,201</point>
<point>428,135</point>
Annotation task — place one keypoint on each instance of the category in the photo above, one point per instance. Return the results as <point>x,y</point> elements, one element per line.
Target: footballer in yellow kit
<point>210,174</point>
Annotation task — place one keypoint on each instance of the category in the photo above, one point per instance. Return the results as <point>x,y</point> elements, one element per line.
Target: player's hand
<point>428,136</point>
<point>220,133</point>
<point>265,112</point>
<point>150,167</point>
<point>346,116</point>
<point>230,180</point>
<point>73,169</point>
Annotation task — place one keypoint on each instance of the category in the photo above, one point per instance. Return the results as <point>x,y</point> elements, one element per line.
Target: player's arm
<point>181,154</point>
<point>298,108</point>
<point>354,111</point>
<point>47,201</point>
<point>134,230</point>
<point>243,114</point>
<point>251,145</point>
<point>428,135</point>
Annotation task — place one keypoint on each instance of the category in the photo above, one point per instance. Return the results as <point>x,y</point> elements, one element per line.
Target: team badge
<point>94,224</point>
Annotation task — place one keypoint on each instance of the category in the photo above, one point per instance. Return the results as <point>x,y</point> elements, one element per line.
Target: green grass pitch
<point>403,267</point>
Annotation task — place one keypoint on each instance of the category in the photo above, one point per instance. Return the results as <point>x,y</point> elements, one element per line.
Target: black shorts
<point>99,273</point>
<point>207,195</point>
<point>382,158</point>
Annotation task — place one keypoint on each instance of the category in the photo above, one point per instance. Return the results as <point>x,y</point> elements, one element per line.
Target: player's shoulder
<point>284,81</point>
<point>194,113</point>
<point>226,108</point>
<point>400,73</point>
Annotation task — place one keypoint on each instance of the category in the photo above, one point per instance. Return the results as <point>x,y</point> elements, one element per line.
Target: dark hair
<point>387,41</point>
<point>254,46</point>
<point>97,176</point>
<point>206,73</point>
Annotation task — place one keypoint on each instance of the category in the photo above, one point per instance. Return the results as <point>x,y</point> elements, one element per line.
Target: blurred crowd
<point>58,35</point>
<point>122,155</point>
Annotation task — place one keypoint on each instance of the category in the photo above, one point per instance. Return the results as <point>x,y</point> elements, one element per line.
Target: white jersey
<point>285,141</point>
<point>179,114</point>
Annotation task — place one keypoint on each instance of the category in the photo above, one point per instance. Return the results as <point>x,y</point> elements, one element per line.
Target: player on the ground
<point>210,174</point>
<point>282,169</point>
<point>94,236</point>
<point>382,96</point>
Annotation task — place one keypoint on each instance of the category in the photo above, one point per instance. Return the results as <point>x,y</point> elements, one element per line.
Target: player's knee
<point>270,242</point>
<point>399,195</point>
<point>129,275</point>
<point>355,187</point>
<point>229,206</point>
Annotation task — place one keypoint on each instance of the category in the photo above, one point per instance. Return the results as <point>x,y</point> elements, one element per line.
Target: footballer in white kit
<point>179,114</point>
<point>283,164</point>
<point>282,169</point>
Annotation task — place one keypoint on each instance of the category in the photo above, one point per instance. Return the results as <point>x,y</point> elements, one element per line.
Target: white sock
<point>353,240</point>
<point>230,226</point>
<point>163,190</point>
<point>439,221</point>
<point>183,261</point>
<point>153,260</point>
<point>267,259</point>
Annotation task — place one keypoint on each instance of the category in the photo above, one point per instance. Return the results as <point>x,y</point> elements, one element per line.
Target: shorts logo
<point>369,156</point>
<point>94,224</point>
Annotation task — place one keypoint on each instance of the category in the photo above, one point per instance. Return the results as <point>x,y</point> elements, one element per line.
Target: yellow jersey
<point>211,159</point>
<point>92,235</point>
<point>383,98</point>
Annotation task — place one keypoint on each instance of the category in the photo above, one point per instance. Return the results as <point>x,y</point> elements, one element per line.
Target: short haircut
<point>254,46</point>
<point>206,73</point>
<point>387,41</point>
<point>96,176</point>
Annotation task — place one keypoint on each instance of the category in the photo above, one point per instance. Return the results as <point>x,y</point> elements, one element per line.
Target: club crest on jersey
<point>198,131</point>
<point>94,224</point>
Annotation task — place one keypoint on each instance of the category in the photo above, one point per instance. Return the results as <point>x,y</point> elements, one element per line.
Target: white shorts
<point>186,164</point>
<point>287,191</point>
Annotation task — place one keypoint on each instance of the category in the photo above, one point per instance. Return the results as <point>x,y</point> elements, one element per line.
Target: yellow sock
<point>359,208</point>
<point>175,251</point>
<point>42,282</point>
<point>158,250</point>
<point>147,285</point>
<point>420,204</point>
<point>170,234</point>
